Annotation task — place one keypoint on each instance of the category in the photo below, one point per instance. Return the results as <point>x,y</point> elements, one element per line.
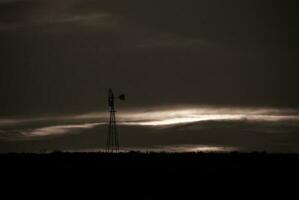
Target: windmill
<point>112,145</point>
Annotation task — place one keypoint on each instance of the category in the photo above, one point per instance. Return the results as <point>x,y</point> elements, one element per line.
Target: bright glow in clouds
<point>55,130</point>
<point>151,118</point>
<point>190,148</point>
<point>168,148</point>
<point>171,116</point>
<point>183,116</point>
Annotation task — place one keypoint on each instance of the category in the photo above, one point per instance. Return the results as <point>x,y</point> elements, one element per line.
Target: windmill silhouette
<point>112,145</point>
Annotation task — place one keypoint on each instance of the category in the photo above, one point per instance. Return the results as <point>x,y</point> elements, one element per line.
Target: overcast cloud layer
<point>61,56</point>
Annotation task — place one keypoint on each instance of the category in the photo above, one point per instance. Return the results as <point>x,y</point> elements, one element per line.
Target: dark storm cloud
<point>60,56</point>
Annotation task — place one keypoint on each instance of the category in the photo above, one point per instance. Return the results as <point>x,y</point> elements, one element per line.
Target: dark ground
<point>151,176</point>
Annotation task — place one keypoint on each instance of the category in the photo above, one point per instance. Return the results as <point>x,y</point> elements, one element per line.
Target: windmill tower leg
<point>115,136</point>
<point>112,145</point>
<point>109,136</point>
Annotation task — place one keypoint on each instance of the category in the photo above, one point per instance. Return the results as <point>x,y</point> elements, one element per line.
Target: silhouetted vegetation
<point>134,159</point>
<point>173,174</point>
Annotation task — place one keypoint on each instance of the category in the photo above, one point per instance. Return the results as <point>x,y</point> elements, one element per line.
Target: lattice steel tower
<point>112,145</point>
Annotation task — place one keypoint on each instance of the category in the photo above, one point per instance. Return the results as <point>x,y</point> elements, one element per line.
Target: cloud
<point>172,116</point>
<point>58,130</point>
<point>183,148</point>
<point>173,41</point>
<point>99,20</point>
<point>69,18</point>
<point>49,14</point>
<point>9,1</point>
<point>264,120</point>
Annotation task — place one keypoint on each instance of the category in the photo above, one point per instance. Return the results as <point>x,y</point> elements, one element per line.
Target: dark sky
<point>61,56</point>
